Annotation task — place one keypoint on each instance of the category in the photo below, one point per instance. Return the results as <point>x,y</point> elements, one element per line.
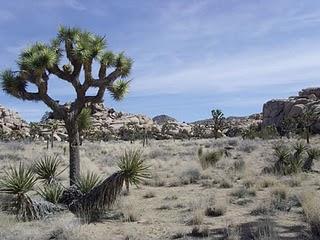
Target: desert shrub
<point>191,175</point>
<point>225,183</point>
<point>256,131</point>
<point>267,182</point>
<point>279,199</point>
<point>218,209</point>
<point>312,154</point>
<point>18,181</point>
<point>47,168</point>
<point>199,232</point>
<point>262,209</point>
<point>51,192</point>
<point>266,230</point>
<point>197,217</point>
<point>239,165</point>
<point>209,158</point>
<point>130,214</point>
<point>149,195</point>
<point>243,192</point>
<point>310,205</point>
<point>247,146</point>
<point>88,181</point>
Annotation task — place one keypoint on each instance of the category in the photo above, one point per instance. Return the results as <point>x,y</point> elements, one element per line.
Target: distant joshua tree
<point>81,49</point>
<point>218,122</point>
<point>309,117</point>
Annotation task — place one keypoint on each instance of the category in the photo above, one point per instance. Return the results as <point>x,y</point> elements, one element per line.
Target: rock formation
<point>12,125</point>
<point>277,110</point>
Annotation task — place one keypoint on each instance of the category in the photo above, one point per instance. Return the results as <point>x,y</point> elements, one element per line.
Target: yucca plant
<point>87,181</point>
<point>92,204</point>
<point>51,192</point>
<point>47,168</point>
<point>133,167</point>
<point>18,181</point>
<point>282,154</point>
<point>312,154</point>
<point>299,148</point>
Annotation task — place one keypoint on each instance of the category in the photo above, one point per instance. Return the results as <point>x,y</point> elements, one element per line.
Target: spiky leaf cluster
<point>86,182</point>
<point>51,192</point>
<point>17,180</point>
<point>47,168</point>
<point>133,166</point>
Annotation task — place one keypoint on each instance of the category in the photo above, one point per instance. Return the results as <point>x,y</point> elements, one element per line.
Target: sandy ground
<point>174,201</point>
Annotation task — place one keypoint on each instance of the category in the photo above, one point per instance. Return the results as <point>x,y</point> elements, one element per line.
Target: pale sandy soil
<point>164,206</point>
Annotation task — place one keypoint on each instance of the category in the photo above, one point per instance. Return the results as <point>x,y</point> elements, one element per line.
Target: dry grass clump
<point>209,158</point>
<point>216,209</point>
<point>268,181</point>
<point>149,194</point>
<point>311,209</point>
<point>129,212</point>
<point>262,209</point>
<point>279,198</point>
<point>225,183</point>
<point>197,217</point>
<point>266,230</point>
<point>247,146</point>
<point>243,192</point>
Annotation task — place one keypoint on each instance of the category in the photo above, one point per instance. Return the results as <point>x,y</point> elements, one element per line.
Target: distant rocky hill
<point>162,119</point>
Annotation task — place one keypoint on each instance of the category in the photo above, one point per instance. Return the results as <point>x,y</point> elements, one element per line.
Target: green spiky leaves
<point>87,181</point>
<point>133,167</point>
<point>107,58</point>
<point>123,64</point>
<point>47,168</point>
<point>119,89</point>
<point>12,84</point>
<point>37,58</point>
<point>17,180</point>
<point>84,120</point>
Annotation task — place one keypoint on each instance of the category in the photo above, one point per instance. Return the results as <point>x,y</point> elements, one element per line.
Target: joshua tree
<point>82,49</point>
<point>308,119</point>
<point>218,122</point>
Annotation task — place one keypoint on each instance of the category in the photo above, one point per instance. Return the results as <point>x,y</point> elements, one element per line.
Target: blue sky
<point>190,56</point>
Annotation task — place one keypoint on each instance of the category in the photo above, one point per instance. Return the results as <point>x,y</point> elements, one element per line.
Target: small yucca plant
<point>87,181</point>
<point>51,192</point>
<point>312,154</point>
<point>18,181</point>
<point>282,154</point>
<point>47,168</point>
<point>133,167</point>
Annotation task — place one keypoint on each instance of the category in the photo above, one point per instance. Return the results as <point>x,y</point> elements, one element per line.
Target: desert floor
<point>177,200</point>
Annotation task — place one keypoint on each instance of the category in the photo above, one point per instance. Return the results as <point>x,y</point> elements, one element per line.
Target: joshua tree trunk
<point>52,139</point>
<point>308,134</point>
<point>74,153</point>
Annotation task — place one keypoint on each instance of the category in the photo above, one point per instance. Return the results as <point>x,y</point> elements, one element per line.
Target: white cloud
<point>264,67</point>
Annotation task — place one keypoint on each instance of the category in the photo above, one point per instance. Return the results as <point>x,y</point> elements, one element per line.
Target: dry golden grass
<point>179,193</point>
